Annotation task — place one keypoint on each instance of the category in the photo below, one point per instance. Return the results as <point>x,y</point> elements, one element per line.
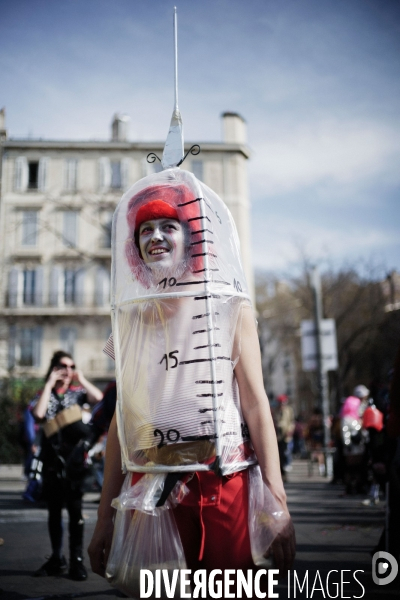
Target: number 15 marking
<point>172,356</point>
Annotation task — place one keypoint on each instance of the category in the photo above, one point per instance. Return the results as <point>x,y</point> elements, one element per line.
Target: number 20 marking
<point>173,435</point>
<point>172,356</point>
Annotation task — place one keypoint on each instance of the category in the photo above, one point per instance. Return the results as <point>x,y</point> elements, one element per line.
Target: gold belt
<point>69,415</point>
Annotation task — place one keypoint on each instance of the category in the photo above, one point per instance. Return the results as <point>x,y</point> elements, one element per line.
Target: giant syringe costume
<point>176,332</point>
<point>176,335</point>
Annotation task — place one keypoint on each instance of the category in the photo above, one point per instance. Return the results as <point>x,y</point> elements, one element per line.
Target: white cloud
<point>279,242</point>
<point>341,153</point>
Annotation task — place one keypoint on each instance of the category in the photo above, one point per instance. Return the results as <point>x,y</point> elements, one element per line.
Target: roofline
<point>105,145</point>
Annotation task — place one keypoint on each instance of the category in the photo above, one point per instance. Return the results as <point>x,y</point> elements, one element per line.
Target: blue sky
<point>318,82</point>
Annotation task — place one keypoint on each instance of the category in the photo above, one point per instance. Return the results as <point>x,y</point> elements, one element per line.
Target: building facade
<point>57,201</point>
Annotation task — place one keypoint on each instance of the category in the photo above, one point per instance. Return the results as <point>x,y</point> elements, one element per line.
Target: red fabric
<point>156,209</point>
<point>213,522</point>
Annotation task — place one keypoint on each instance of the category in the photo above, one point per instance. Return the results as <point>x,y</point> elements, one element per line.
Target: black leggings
<point>61,493</point>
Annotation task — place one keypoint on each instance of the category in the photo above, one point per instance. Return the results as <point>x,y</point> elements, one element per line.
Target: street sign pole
<point>321,372</point>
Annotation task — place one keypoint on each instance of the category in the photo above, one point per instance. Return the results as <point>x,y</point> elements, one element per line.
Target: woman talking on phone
<point>58,408</point>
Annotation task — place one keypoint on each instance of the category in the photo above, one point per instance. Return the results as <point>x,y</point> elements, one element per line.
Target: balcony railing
<point>62,302</point>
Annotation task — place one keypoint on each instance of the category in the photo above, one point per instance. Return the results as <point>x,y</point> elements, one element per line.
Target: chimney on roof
<point>119,128</point>
<point>3,131</point>
<point>234,130</point>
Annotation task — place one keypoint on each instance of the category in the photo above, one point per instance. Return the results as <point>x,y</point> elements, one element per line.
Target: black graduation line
<point>190,202</point>
<point>228,433</point>
<point>202,231</point>
<point>204,254</point>
<point>200,316</point>
<point>206,330</point>
<point>198,360</point>
<point>195,438</point>
<point>204,410</point>
<point>201,241</point>
<point>202,271</point>
<point>198,218</point>
<point>207,346</point>
<point>206,423</point>
<point>209,381</point>
<point>208,395</point>
<point>192,282</point>
<point>205,297</point>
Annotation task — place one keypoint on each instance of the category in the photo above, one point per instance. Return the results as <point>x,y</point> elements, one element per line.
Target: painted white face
<point>162,242</point>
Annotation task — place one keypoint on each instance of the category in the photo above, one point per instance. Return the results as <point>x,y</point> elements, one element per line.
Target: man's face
<point>162,242</point>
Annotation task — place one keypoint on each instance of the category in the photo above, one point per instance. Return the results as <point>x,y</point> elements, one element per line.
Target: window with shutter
<point>29,342</point>
<point>69,286</point>
<point>29,287</point>
<point>68,337</point>
<point>15,281</point>
<point>125,166</point>
<point>116,174</point>
<point>107,228</point>
<point>56,291</point>
<point>29,228</point>
<point>70,228</point>
<point>104,174</point>
<point>71,174</point>
<point>197,169</point>
<point>102,288</point>
<point>21,174</point>
<point>42,174</point>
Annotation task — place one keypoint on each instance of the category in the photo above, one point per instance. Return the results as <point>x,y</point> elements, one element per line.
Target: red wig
<point>164,201</point>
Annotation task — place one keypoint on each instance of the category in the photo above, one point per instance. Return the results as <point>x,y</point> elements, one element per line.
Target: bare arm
<point>39,411</point>
<point>93,392</point>
<point>257,414</point>
<point>100,545</point>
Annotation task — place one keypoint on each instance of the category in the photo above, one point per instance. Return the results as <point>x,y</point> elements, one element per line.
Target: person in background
<point>315,439</point>
<point>284,424</point>
<point>58,407</point>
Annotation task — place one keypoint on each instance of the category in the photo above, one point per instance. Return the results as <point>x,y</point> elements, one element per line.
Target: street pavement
<point>335,533</point>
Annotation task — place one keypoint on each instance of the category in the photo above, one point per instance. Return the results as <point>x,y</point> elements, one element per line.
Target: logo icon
<point>384,568</point>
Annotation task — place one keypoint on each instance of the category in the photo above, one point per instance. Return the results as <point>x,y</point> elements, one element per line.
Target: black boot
<point>77,569</point>
<point>56,565</point>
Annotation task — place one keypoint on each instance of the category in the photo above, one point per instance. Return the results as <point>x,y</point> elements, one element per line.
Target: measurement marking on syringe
<point>207,346</point>
<point>202,231</point>
<point>206,423</point>
<point>208,395</point>
<point>202,271</point>
<point>195,438</point>
<point>209,381</point>
<point>206,297</point>
<point>204,254</point>
<point>201,242</point>
<point>201,316</point>
<point>199,360</point>
<point>190,202</point>
<point>199,218</point>
<point>206,330</point>
<point>191,282</point>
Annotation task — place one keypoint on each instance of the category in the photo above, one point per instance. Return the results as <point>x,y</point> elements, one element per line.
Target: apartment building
<point>57,201</point>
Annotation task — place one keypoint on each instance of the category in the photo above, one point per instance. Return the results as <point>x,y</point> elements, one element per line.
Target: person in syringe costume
<point>191,401</point>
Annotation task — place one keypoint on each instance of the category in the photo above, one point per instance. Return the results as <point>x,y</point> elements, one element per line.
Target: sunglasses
<point>64,366</point>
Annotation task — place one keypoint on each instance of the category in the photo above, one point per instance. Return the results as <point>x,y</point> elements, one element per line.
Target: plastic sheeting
<point>176,332</point>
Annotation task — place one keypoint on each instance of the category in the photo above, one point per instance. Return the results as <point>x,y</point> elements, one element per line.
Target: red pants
<point>213,522</point>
